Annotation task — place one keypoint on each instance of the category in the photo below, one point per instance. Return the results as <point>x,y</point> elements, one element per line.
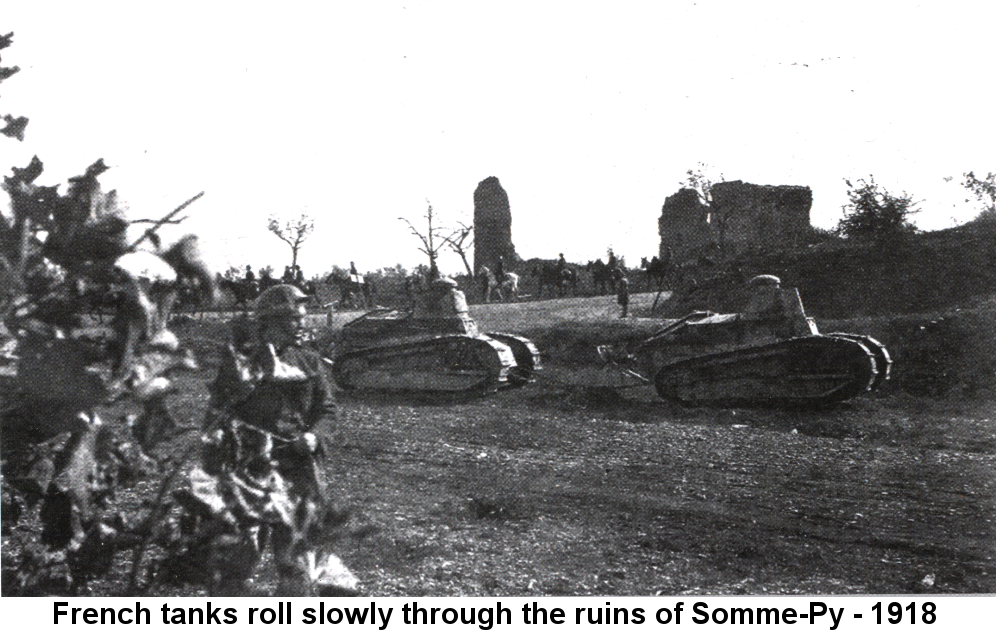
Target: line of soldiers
<point>293,275</point>
<point>614,266</point>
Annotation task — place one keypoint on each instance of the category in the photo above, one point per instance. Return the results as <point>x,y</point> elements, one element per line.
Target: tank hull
<point>453,364</point>
<point>391,351</point>
<point>798,372</point>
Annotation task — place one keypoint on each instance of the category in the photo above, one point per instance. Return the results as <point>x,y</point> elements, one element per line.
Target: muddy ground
<point>564,490</point>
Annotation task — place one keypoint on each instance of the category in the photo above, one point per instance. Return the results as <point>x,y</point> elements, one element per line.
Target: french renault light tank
<point>436,347</point>
<point>769,354</point>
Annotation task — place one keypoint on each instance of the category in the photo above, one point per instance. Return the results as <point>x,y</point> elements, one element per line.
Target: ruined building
<point>740,216</point>
<point>492,225</point>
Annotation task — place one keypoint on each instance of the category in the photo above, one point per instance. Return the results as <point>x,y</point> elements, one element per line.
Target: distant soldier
<point>622,295</point>
<point>352,269</point>
<point>500,269</point>
<point>613,262</point>
<point>250,275</point>
<point>561,263</point>
<point>288,276</point>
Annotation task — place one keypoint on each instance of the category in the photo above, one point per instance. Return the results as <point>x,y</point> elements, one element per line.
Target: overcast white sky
<point>589,113</point>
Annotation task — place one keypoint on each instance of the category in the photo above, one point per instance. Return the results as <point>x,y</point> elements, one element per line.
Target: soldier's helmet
<point>281,301</point>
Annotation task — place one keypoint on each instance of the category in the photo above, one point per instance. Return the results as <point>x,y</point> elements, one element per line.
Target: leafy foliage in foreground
<point>63,257</point>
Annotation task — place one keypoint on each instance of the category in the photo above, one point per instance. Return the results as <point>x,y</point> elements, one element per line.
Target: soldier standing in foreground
<point>268,436</point>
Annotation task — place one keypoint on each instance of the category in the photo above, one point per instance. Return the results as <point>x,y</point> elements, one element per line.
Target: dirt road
<point>566,490</point>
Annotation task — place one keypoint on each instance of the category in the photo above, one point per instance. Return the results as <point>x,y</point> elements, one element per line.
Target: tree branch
<point>148,233</point>
<point>160,221</point>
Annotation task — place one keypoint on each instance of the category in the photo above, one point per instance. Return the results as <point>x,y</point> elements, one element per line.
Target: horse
<point>553,277</point>
<point>510,284</point>
<point>244,291</point>
<point>656,270</point>
<point>352,287</point>
<point>603,277</point>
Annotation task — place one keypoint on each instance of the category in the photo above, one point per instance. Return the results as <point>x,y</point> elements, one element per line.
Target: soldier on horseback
<point>509,283</point>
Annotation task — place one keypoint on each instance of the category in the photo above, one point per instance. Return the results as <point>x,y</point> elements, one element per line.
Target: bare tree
<point>456,241</point>
<point>293,233</point>
<point>431,240</point>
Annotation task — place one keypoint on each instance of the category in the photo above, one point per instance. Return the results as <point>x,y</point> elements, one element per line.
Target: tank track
<point>806,371</point>
<point>527,357</point>
<point>883,362</point>
<point>450,364</point>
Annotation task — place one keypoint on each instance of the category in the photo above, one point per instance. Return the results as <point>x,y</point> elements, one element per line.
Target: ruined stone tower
<point>492,226</point>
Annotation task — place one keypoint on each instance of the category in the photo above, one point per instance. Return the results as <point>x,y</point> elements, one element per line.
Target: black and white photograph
<point>499,300</point>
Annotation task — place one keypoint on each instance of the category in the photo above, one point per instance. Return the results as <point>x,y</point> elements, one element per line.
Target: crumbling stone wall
<point>767,216</point>
<point>740,216</point>
<point>492,225</point>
